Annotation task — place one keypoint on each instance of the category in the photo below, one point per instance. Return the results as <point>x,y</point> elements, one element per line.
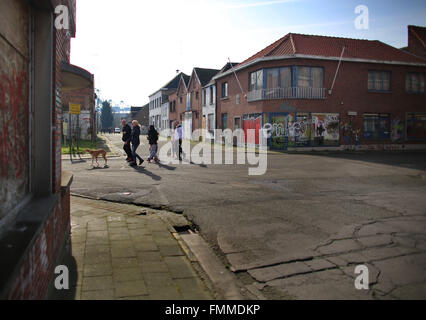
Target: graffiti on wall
<point>302,129</point>
<point>14,124</point>
<point>325,129</point>
<point>397,130</point>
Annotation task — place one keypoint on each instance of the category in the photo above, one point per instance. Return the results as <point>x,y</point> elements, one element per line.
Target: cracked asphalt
<point>299,231</point>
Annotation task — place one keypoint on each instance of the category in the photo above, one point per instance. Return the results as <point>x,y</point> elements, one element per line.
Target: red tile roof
<point>292,44</point>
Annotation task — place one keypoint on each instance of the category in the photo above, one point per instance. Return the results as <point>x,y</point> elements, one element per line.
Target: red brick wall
<point>350,92</point>
<point>37,270</point>
<point>181,107</point>
<point>415,46</point>
<point>194,88</point>
<point>173,115</point>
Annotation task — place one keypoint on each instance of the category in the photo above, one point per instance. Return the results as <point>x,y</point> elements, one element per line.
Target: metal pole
<point>337,71</point>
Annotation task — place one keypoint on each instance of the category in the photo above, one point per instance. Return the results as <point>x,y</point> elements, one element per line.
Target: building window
<point>377,126</point>
<point>309,77</point>
<point>225,90</point>
<point>237,99</point>
<point>305,77</point>
<point>224,121</point>
<point>188,101</point>
<point>416,126</point>
<point>415,83</point>
<point>285,77</point>
<point>211,95</point>
<point>256,80</point>
<point>237,123</point>
<point>196,95</point>
<point>272,76</point>
<point>180,100</point>
<point>379,81</point>
<point>210,124</point>
<point>204,94</point>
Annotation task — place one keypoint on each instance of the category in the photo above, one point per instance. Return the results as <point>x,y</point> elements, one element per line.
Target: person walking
<point>153,144</point>
<point>178,140</point>
<point>127,136</point>
<point>135,139</point>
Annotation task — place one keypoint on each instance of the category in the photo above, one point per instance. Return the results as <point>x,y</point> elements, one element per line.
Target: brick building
<point>34,192</point>
<point>316,91</point>
<point>209,99</point>
<point>84,97</point>
<point>177,101</point>
<point>194,119</point>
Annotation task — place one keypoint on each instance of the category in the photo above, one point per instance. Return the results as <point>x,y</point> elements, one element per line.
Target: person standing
<point>135,139</point>
<point>127,135</point>
<point>153,144</point>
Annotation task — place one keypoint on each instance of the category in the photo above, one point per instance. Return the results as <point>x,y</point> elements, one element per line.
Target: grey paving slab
<point>135,259</point>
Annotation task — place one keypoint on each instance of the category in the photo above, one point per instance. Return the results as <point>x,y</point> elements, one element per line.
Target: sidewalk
<point>112,151</point>
<point>121,254</point>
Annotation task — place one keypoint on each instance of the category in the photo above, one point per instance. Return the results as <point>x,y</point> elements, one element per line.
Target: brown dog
<point>96,153</point>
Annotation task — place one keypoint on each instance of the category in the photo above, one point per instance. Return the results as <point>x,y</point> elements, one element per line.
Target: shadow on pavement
<point>98,168</point>
<point>148,173</point>
<point>404,159</point>
<point>165,166</point>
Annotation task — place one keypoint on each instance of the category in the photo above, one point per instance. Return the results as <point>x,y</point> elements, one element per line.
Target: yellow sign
<point>75,108</point>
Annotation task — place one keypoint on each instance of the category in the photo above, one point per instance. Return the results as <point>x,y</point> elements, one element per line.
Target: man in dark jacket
<point>127,133</point>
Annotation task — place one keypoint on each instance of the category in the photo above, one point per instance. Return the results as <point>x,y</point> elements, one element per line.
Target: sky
<point>134,47</point>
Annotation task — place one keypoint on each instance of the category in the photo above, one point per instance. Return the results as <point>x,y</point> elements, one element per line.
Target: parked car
<point>117,130</point>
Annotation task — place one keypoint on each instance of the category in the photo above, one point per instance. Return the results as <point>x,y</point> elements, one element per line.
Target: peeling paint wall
<point>14,104</point>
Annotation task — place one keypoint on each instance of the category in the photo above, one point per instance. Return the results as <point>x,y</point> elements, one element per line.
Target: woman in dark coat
<point>136,132</point>
<point>153,144</point>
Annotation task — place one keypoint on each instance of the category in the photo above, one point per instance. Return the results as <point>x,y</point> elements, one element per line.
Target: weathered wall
<point>14,104</point>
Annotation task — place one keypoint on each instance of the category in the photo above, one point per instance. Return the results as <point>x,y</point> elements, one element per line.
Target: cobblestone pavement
<point>120,254</point>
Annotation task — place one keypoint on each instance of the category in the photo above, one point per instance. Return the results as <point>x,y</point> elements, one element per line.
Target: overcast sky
<point>134,47</point>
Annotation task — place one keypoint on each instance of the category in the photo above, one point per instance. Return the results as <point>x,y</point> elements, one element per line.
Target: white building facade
<point>209,110</point>
<point>155,103</point>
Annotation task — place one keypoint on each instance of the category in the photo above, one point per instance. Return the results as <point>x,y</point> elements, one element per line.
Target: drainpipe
<point>330,92</point>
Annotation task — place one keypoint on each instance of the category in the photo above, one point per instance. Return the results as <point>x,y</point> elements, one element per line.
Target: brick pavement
<point>117,253</point>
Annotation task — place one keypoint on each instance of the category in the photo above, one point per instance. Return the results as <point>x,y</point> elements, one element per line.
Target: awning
<point>75,78</point>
